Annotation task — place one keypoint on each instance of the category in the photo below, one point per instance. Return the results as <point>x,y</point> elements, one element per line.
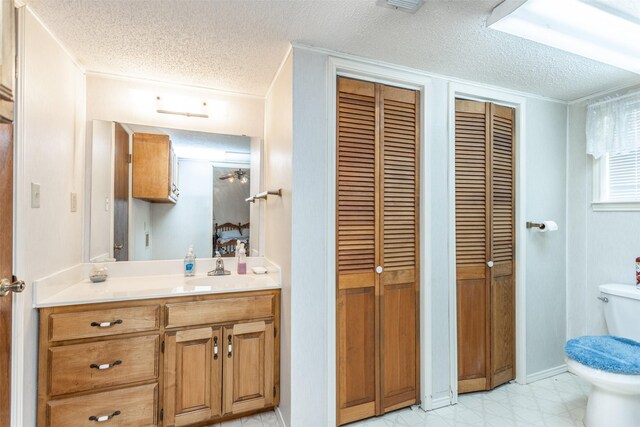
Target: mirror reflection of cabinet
<point>154,169</point>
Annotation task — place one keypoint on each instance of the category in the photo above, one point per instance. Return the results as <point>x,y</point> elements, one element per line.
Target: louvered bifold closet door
<point>472,227</point>
<point>502,276</point>
<point>399,243</point>
<point>356,245</point>
<point>377,248</point>
<point>485,236</point>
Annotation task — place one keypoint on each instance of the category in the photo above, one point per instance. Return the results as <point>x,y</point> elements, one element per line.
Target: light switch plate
<point>35,195</point>
<point>74,201</point>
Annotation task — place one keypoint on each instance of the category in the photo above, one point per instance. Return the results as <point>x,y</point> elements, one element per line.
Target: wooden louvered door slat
<point>485,208</point>
<point>502,276</point>
<point>377,225</point>
<point>356,257</point>
<point>472,227</point>
<point>399,243</point>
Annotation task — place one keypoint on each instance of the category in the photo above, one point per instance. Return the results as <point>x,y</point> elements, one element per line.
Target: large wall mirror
<point>156,191</point>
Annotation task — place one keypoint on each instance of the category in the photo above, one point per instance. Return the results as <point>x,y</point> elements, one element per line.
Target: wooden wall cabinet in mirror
<point>155,169</point>
<point>7,59</point>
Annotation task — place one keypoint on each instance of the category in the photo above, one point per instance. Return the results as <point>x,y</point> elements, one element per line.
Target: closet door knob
<point>490,264</point>
<point>379,269</point>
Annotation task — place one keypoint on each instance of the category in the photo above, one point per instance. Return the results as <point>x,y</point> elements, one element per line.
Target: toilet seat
<point>611,365</point>
<point>606,353</point>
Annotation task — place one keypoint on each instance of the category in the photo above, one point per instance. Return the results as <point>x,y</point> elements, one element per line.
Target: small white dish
<point>258,270</point>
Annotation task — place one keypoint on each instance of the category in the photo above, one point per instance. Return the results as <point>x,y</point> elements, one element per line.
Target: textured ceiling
<point>237,45</point>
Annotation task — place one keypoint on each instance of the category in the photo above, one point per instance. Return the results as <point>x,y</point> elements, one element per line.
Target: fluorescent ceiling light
<point>602,30</point>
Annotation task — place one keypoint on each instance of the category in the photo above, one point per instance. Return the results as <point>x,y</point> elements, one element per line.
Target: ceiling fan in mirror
<point>240,175</point>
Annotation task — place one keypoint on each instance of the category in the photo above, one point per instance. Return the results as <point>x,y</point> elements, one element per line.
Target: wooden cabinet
<point>159,362</point>
<point>155,169</point>
<point>248,367</point>
<point>192,375</point>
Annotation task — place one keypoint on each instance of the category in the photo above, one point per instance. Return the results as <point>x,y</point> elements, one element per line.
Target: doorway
<point>519,104</point>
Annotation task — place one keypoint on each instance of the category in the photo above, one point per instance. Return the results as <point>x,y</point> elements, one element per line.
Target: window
<point>613,139</point>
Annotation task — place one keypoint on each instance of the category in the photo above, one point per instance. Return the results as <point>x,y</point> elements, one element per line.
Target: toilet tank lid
<point>628,291</point>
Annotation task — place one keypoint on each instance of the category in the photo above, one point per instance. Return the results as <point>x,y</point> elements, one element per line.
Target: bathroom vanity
<point>159,351</point>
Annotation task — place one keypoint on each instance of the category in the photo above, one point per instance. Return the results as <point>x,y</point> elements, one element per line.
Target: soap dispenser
<point>190,263</point>
<point>242,259</point>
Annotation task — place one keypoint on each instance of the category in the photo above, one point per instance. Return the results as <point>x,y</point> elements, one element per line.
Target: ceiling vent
<point>410,6</point>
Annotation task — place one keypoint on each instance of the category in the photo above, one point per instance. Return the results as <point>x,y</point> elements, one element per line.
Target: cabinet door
<point>248,366</point>
<point>192,369</point>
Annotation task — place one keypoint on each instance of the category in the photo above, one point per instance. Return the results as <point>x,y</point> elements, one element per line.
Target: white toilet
<point>614,378</point>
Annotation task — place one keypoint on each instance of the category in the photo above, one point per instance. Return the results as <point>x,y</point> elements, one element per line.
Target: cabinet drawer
<point>129,407</point>
<point>99,323</point>
<point>83,367</point>
<point>222,310</point>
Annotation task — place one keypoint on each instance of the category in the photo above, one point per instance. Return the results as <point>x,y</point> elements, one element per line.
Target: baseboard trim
<point>280,417</point>
<point>547,373</point>
<point>440,402</point>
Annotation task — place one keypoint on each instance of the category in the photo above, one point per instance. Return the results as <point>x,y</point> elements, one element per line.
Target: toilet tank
<point>622,310</point>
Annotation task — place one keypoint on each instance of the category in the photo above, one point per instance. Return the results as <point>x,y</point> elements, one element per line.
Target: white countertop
<point>61,289</point>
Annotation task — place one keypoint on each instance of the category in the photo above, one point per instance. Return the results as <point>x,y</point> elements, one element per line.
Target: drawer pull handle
<point>103,418</point>
<point>106,324</point>
<point>215,348</point>
<point>230,347</point>
<point>106,365</point>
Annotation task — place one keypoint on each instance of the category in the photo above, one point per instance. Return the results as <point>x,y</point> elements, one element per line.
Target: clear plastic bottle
<point>190,263</point>
<point>242,259</point>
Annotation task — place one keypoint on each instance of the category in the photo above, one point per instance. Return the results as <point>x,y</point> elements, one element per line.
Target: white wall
<point>278,223</point>
<point>133,101</point>
<point>175,227</point>
<point>49,151</point>
<point>140,224</point>
<point>602,245</point>
<point>256,210</point>
<point>101,210</point>
<point>545,199</point>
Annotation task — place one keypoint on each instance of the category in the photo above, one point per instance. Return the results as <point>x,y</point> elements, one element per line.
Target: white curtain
<point>613,126</point>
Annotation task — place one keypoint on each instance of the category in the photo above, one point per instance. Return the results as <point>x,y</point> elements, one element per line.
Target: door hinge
<point>274,391</point>
<point>162,347</point>
<point>130,160</point>
<point>162,414</point>
<point>275,331</point>
<point>450,395</point>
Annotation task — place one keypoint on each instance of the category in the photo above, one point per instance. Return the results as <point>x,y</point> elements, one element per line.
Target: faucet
<point>219,270</point>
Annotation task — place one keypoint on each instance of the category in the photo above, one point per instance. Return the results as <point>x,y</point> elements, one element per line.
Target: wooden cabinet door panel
<point>127,407</point>
<point>94,365</point>
<point>192,367</point>
<point>248,366</point>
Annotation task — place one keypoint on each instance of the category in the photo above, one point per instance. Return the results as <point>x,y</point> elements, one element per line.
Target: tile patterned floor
<point>554,402</point>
